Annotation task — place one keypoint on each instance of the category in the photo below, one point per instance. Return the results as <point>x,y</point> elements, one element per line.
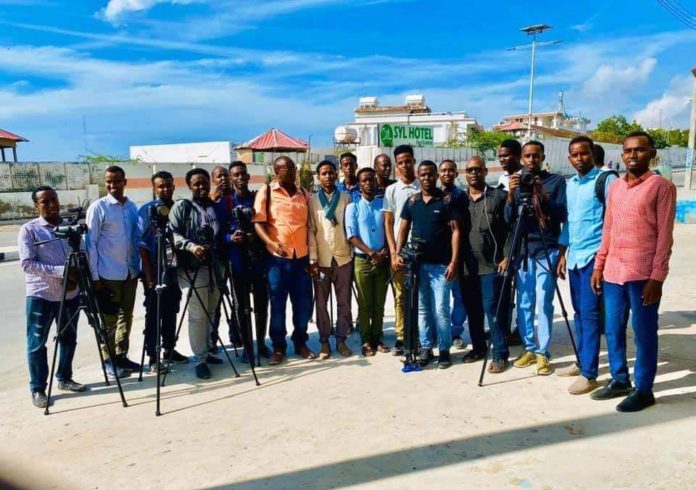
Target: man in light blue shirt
<point>115,264</point>
<point>365,231</point>
<point>578,245</point>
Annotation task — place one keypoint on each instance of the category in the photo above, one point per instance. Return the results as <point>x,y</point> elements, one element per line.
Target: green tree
<point>614,129</point>
<point>104,158</point>
<point>665,138</point>
<point>486,142</point>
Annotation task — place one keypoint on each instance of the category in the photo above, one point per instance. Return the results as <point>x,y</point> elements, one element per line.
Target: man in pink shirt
<point>633,262</point>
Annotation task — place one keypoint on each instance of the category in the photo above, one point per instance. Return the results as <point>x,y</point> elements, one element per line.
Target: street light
<point>533,31</point>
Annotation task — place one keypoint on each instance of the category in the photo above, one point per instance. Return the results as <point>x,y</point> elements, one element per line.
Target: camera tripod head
<point>72,233</point>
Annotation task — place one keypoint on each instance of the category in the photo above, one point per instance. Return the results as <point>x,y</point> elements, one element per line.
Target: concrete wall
<point>208,152</point>
<point>86,181</point>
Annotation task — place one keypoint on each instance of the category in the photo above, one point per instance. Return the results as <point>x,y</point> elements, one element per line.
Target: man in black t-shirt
<point>432,218</point>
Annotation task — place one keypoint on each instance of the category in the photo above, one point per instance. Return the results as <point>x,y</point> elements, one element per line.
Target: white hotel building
<point>370,116</point>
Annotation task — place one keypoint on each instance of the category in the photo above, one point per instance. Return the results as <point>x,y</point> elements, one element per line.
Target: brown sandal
<point>383,348</point>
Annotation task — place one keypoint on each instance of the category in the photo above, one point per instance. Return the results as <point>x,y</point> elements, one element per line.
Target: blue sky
<point>166,71</point>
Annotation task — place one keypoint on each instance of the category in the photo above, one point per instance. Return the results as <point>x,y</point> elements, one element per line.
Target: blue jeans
<point>491,286</point>
<point>433,306</point>
<point>40,315</point>
<point>616,298</point>
<point>587,307</point>
<point>458,311</point>
<point>289,277</point>
<point>537,283</point>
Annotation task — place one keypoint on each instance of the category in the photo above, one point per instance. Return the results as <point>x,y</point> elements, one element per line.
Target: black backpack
<point>601,185</point>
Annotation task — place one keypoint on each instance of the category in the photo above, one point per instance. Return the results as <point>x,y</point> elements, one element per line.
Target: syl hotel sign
<point>395,135</point>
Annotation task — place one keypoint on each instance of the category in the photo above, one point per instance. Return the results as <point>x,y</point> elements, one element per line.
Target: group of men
<point>611,236</point>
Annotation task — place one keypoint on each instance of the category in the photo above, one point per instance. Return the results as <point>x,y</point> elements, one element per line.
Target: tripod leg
<point>210,318</point>
<point>222,345</point>
<point>249,335</point>
<point>189,294</point>
<point>61,314</point>
<point>508,278</point>
<point>142,354</point>
<point>97,319</point>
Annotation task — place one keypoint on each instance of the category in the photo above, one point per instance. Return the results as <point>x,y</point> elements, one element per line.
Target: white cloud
<point>611,79</point>
<point>117,10</point>
<point>671,109</point>
<point>584,27</point>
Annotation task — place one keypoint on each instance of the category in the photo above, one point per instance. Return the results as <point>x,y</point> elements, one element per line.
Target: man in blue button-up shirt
<point>146,234</point>
<point>115,263</point>
<point>578,245</point>
<point>365,231</point>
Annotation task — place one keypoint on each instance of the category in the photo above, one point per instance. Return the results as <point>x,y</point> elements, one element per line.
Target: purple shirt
<point>43,264</point>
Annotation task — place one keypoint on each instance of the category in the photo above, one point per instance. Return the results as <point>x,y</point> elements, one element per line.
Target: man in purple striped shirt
<point>44,266</point>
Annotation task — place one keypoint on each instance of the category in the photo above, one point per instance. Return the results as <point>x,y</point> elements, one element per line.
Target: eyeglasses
<point>474,170</point>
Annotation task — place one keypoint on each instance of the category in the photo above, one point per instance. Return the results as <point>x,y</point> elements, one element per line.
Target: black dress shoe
<point>613,389</point>
<point>398,348</point>
<point>636,401</point>
<point>472,356</point>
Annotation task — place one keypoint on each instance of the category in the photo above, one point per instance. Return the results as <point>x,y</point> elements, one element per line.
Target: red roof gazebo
<point>274,140</point>
<point>9,140</point>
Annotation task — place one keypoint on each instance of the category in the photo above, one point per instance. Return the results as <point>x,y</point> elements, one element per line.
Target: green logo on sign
<point>386,135</point>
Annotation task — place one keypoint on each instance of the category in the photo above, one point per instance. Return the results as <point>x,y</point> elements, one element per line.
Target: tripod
<point>244,310</point>
<point>519,253</point>
<point>224,301</point>
<point>77,263</point>
<point>411,317</point>
<point>162,268</point>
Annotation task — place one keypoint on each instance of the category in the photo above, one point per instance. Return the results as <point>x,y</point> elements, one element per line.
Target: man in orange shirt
<point>282,221</point>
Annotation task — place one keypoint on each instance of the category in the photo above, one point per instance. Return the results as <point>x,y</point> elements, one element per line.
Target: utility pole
<point>691,151</point>
<point>533,31</point>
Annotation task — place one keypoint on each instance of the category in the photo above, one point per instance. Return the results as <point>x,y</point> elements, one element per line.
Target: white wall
<point>209,152</point>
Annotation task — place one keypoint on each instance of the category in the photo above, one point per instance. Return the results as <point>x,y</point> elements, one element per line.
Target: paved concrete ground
<point>354,422</point>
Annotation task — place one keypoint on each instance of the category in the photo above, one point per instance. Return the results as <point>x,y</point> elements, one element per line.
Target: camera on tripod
<point>412,252</point>
<point>527,185</point>
<point>243,215</point>
<point>205,236</point>
<point>159,215</point>
<point>70,228</point>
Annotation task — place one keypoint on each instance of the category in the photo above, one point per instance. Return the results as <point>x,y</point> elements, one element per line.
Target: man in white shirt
<point>395,197</point>
<point>509,155</point>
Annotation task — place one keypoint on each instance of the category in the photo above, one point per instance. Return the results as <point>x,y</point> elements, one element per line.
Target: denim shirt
<point>582,233</point>
<point>555,208</point>
<point>353,191</point>
<point>145,230</point>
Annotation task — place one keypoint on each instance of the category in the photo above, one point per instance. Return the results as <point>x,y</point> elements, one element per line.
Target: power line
<point>679,12</point>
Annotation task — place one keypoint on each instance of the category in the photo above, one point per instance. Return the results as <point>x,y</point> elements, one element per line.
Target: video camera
<point>205,236</point>
<point>412,251</point>
<point>527,187</point>
<point>159,215</point>
<point>243,215</point>
<point>70,228</point>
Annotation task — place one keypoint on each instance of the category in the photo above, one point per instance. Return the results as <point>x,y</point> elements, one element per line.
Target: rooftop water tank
<point>415,99</point>
<point>368,102</point>
<point>345,135</point>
